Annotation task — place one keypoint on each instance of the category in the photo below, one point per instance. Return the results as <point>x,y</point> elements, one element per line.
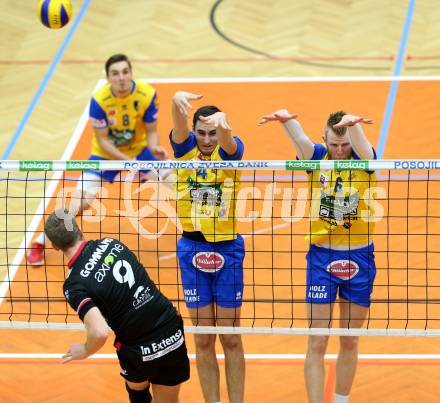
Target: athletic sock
<point>341,398</point>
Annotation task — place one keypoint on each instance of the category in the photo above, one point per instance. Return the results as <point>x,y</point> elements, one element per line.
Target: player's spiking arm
<point>97,332</point>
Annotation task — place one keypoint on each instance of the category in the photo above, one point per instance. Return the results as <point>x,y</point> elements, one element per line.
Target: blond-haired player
<point>340,258</point>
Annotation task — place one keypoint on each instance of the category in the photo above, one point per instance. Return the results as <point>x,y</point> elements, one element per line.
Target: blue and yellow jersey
<point>341,206</point>
<point>124,117</point>
<point>207,197</point>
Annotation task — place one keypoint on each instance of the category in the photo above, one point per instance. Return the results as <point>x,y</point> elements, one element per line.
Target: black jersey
<point>106,274</point>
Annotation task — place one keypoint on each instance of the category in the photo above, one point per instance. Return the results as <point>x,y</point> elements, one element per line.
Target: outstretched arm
<point>180,107</point>
<point>358,139</point>
<point>303,145</point>
<point>97,332</point>
<point>224,132</point>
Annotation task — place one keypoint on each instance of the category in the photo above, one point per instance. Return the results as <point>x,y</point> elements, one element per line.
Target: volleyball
<point>54,14</point>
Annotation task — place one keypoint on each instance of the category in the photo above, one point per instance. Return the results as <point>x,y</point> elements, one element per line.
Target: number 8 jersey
<point>125,117</point>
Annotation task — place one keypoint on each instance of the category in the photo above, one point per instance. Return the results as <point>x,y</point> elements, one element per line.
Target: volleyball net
<point>272,207</point>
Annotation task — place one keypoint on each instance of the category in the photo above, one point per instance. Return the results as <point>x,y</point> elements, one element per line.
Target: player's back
<point>110,274</point>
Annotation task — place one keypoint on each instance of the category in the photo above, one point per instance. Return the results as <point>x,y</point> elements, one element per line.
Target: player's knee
<point>205,341</point>
<point>349,342</point>
<point>231,342</point>
<point>318,344</point>
<point>139,396</point>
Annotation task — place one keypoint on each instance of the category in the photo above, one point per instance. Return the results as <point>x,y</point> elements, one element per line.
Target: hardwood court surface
<point>175,39</point>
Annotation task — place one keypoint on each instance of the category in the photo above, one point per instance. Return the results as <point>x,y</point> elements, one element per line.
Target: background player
<point>341,247</point>
<point>124,117</point>
<point>108,286</point>
<point>210,252</point>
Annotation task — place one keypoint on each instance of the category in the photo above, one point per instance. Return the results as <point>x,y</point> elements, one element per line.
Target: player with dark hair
<point>123,114</point>
<point>341,253</point>
<point>108,287</point>
<point>210,251</point>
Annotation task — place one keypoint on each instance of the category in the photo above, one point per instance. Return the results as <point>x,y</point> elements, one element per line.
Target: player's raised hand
<point>218,120</point>
<point>160,153</point>
<point>351,120</point>
<point>182,100</point>
<point>75,352</point>
<point>281,115</point>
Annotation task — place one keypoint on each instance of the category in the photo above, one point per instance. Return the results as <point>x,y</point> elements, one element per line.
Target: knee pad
<point>139,396</point>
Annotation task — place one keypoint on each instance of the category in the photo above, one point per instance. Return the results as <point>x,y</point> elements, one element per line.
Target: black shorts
<point>161,361</point>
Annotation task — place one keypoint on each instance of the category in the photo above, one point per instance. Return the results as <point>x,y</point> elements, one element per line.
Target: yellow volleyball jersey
<point>207,197</point>
<point>124,117</point>
<point>341,203</point>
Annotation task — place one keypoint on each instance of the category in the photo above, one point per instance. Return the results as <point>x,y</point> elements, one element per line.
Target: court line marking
<point>55,61</point>
<point>16,262</point>
<point>392,94</point>
<point>365,357</point>
<point>299,79</point>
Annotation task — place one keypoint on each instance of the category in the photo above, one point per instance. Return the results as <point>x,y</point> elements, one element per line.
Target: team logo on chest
<point>343,269</point>
<point>323,180</point>
<point>208,262</point>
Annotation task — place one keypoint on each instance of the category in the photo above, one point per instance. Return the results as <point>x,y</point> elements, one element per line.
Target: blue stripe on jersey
<point>96,111</point>
<point>238,154</point>
<point>45,13</point>
<point>64,16</point>
<point>181,149</point>
<point>319,152</point>
<point>150,114</point>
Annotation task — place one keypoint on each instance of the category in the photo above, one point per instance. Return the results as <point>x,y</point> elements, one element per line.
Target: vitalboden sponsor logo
<point>208,262</point>
<point>351,164</point>
<point>35,165</point>
<point>343,269</point>
<point>82,165</point>
<point>416,164</point>
<point>163,347</point>
<point>302,165</point>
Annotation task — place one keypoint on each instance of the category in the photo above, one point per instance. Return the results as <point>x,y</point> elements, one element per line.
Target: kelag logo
<point>351,164</point>
<point>302,165</point>
<point>82,165</point>
<point>36,165</point>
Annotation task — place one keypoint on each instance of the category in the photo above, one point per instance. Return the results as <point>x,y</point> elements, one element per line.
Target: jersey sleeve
<point>183,148</point>
<point>238,154</point>
<point>97,115</point>
<point>78,299</point>
<point>319,152</point>
<point>356,157</point>
<point>150,115</point>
